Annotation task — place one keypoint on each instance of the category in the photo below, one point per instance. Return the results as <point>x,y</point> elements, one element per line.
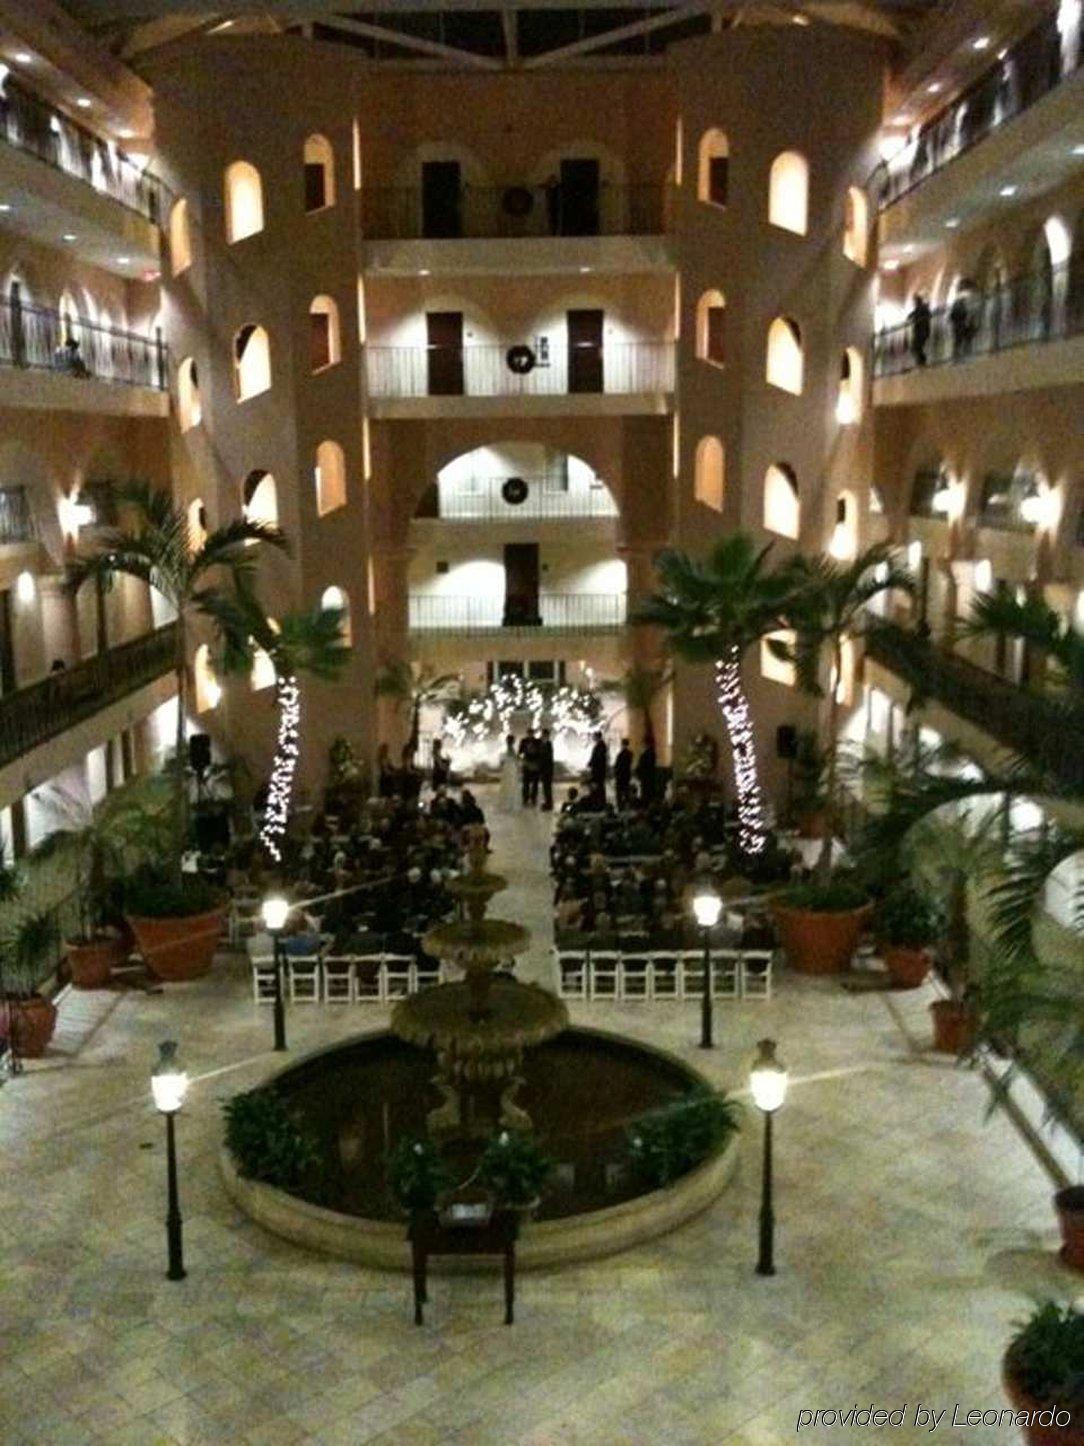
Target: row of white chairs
<point>662,974</point>
<point>341,978</point>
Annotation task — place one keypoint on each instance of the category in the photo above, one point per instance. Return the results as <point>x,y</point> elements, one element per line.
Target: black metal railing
<point>1022,75</point>
<point>514,499</point>
<point>16,516</point>
<point>1041,306</point>
<point>514,368</point>
<point>28,124</point>
<point>1045,729</point>
<point>399,213</point>
<point>31,716</point>
<point>39,338</point>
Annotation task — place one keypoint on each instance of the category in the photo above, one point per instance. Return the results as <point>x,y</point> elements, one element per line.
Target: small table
<point>496,1236</point>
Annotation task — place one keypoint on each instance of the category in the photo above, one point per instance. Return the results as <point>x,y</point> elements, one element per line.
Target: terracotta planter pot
<point>1069,1203</point>
<point>32,1022</point>
<point>953,1026</point>
<point>178,949</point>
<point>817,943</point>
<point>907,968</point>
<point>1044,1432</point>
<point>91,965</point>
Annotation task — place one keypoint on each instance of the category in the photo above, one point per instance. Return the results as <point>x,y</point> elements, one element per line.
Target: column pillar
<point>391,634</point>
<point>645,650</point>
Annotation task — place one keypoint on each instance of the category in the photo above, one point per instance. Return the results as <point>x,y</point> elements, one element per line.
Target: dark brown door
<point>521,575</point>
<point>8,681</point>
<point>718,180</point>
<point>585,351</point>
<point>716,334</point>
<point>579,198</point>
<point>442,212</point>
<point>319,340</point>
<point>444,334</point>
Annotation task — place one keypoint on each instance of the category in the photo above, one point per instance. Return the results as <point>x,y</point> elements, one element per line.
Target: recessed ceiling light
<point>69,236</point>
<point>909,248</point>
<point>584,270</point>
<point>126,134</point>
<point>1078,150</point>
<point>952,223</point>
<point>934,88</point>
<point>981,42</point>
<point>83,102</point>
<point>891,265</point>
<point>124,260</point>
<point>24,57</point>
<point>5,205</point>
<point>1007,191</point>
<point>424,271</point>
<point>800,19</point>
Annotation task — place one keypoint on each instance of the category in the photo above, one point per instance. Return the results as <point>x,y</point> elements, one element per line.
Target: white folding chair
<point>571,973</point>
<point>664,974</point>
<point>635,976</point>
<point>338,979</point>
<point>756,974</point>
<point>426,975</point>
<point>368,978</point>
<point>303,975</point>
<point>603,970</point>
<point>690,973</point>
<point>725,973</point>
<point>263,978</point>
<point>397,973</point>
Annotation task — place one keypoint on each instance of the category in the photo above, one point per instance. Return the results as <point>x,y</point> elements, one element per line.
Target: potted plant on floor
<point>822,923</point>
<point>417,1175</point>
<point>176,922</point>
<point>514,1169</point>
<point>1043,1373</point>
<point>27,954</point>
<point>906,924</point>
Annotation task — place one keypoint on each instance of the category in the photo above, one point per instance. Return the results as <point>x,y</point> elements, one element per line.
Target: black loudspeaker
<point>786,741</point>
<point>199,752</point>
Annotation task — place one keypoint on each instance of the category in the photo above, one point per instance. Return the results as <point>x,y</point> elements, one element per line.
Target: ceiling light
<point>24,57</point>
<point>892,264</point>
<point>1078,150</point>
<point>126,134</point>
<point>909,248</point>
<point>952,223</point>
<point>5,205</point>
<point>800,19</point>
<point>934,88</point>
<point>584,270</point>
<point>69,236</point>
<point>1007,191</point>
<point>982,42</point>
<point>83,102</point>
<point>424,271</point>
<point>124,260</point>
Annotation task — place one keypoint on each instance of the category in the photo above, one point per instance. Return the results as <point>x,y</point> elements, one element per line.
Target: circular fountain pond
<point>582,1089</point>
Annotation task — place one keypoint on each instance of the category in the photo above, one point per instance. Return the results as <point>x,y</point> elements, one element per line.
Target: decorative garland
<point>565,710</point>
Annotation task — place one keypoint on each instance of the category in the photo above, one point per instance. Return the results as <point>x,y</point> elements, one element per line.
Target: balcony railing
<point>397,213</point>
<point>29,124</point>
<point>514,499</point>
<point>493,371</point>
<point>16,516</point>
<point>554,612</point>
<point>1032,68</point>
<point>1029,310</point>
<point>31,716</point>
<point>41,339</point>
<point>1045,729</point>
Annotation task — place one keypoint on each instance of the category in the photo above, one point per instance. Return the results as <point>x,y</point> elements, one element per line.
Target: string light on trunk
<point>287,751</point>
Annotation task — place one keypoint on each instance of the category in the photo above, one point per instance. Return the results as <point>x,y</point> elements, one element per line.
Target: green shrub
<point>669,1142</point>
<point>417,1174</point>
<point>907,918</point>
<point>153,894</point>
<point>1047,1356</point>
<point>265,1140</point>
<point>837,896</point>
<point>514,1168</point>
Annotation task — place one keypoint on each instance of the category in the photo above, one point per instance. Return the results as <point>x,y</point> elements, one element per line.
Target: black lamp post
<point>169,1085</point>
<point>707,907</point>
<point>275,911</point>
<point>768,1086</point>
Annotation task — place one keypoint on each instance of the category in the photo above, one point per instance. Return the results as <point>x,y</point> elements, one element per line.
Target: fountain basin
<point>583,1087</point>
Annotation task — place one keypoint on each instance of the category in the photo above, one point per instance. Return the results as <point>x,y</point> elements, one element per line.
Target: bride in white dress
<point>508,797</point>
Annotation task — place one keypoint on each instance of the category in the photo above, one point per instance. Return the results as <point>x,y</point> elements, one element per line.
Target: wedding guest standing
<point>623,775</point>
<point>545,769</point>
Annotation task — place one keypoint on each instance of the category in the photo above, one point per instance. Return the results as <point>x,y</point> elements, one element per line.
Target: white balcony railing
<point>515,499</point>
<point>620,368</point>
<point>554,612</point>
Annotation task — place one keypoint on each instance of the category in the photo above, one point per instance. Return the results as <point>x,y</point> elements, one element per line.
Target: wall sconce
<point>25,587</point>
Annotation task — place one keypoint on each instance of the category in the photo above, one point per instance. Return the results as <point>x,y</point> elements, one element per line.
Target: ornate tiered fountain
<point>478,1027</point>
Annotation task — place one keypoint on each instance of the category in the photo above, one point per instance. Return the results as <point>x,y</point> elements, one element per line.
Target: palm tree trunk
<point>287,749</point>
<point>415,726</point>
<point>734,706</point>
<point>180,778</point>
<point>824,862</point>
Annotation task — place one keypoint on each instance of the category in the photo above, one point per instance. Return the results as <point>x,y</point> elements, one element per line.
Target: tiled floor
<point>910,1233</point>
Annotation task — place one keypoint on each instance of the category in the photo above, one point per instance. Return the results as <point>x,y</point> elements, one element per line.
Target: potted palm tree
<point>906,924</point>
<point>177,920</point>
<point>27,954</point>
<point>416,686</point>
<point>821,923</point>
<point>714,611</point>
<point>1043,1372</point>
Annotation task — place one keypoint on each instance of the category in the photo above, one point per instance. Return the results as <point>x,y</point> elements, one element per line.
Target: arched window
<point>244,201</point>
<point>338,599</point>
<point>849,402</point>
<point>197,525</point>
<point>788,192</point>
<point>782,513</point>
<point>710,327</point>
<point>785,363</point>
<point>713,172</point>
<point>260,499</point>
<point>325,346</point>
<point>319,173</point>
<point>330,477</point>
<point>251,362</point>
<point>710,480</point>
<point>180,238</point>
<point>856,226</point>
<point>189,408</point>
<point>207,689</point>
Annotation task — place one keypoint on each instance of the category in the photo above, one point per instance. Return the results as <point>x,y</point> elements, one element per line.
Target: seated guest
<point>469,812</point>
<point>572,798</point>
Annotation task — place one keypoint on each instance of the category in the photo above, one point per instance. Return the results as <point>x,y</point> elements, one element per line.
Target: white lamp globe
<point>274,911</point>
<point>767,1078</point>
<point>169,1082</point>
<point>707,906</point>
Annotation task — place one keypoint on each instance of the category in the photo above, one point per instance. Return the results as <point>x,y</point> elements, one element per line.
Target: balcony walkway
<point>579,613</point>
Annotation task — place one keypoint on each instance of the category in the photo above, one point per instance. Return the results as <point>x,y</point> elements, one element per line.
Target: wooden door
<point>579,213</point>
<point>444,335</point>
<point>585,351</point>
<point>522,572</point>
<point>8,681</point>
<point>442,212</point>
